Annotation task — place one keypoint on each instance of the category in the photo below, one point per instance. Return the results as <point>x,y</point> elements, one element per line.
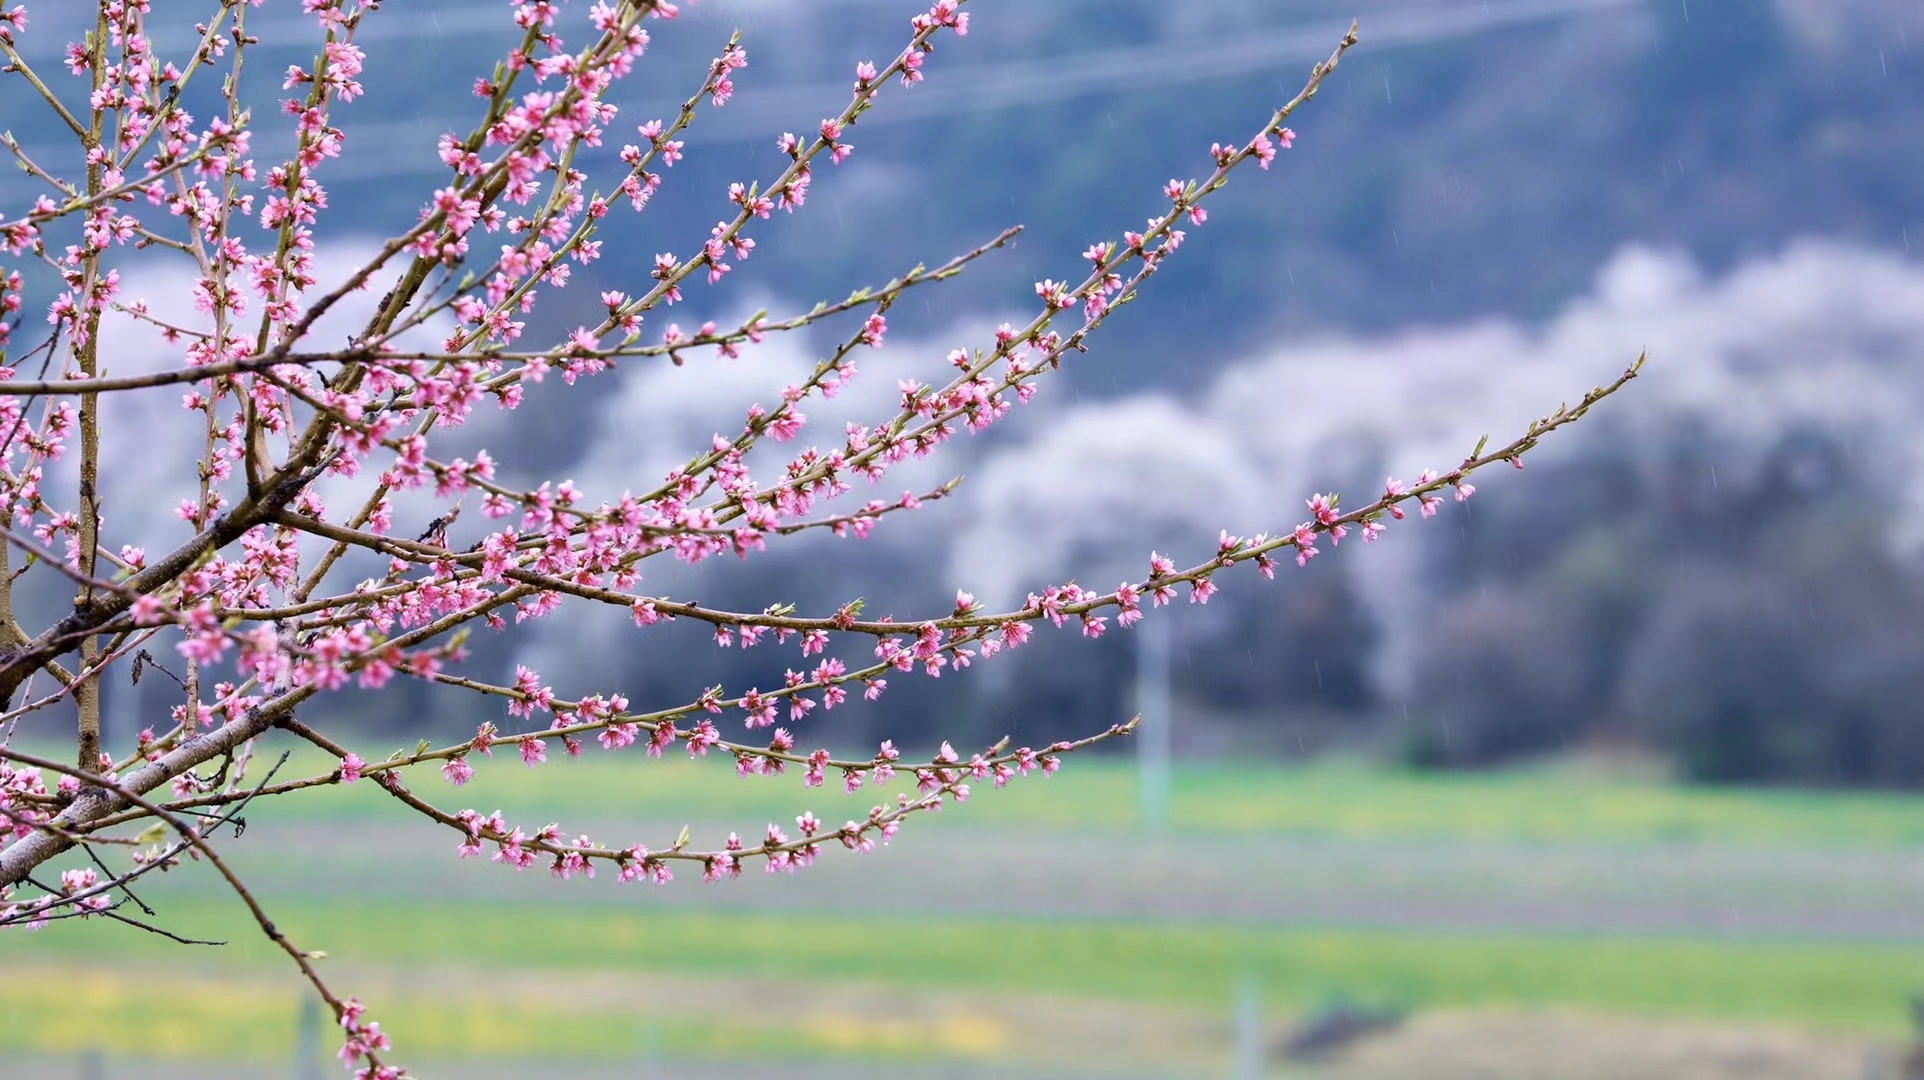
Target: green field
<point>467,959</point>
<point>1334,799</point>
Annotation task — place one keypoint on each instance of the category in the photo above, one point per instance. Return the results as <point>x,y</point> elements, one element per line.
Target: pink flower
<point>1305,540</point>
<point>148,610</point>
<point>1393,490</point>
<point>533,751</point>
<point>457,771</point>
<point>351,767</point>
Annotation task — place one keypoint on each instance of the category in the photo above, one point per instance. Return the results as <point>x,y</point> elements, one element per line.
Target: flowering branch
<point>366,1037</point>
<point>264,626</point>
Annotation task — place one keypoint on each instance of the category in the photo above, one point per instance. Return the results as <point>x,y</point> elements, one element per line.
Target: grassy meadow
<point>1035,923</point>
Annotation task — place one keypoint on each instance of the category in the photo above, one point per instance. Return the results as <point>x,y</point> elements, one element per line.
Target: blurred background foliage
<point>1726,587</point>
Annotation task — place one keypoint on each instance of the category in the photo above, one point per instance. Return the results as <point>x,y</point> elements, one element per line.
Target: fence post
<point>651,1053</point>
<point>1250,1055</point>
<point>307,1040</point>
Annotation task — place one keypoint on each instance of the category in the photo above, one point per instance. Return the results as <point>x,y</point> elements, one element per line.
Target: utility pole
<point>1152,737</point>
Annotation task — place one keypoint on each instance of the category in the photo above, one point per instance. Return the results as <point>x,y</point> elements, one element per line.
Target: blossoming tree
<point>258,588</point>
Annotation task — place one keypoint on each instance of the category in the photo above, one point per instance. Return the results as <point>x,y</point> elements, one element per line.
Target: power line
<point>402,147</point>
